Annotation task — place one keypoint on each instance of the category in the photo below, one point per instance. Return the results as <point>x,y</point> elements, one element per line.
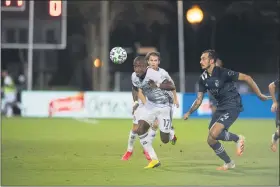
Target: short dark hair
<point>212,54</point>
<point>139,59</point>
<point>153,53</point>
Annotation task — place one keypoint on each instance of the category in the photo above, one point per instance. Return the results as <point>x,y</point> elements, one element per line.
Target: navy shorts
<point>225,117</point>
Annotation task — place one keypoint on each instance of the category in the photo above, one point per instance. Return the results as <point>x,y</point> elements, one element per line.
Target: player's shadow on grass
<point>210,169</point>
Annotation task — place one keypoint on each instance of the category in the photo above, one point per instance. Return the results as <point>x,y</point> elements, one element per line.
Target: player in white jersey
<point>158,106</point>
<point>153,59</point>
<point>138,108</point>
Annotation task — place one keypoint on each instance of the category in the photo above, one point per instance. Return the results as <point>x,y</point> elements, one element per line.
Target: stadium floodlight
<point>194,15</point>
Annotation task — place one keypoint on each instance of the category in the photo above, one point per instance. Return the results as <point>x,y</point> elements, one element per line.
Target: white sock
<point>152,134</point>
<point>131,141</point>
<point>171,134</point>
<point>147,145</point>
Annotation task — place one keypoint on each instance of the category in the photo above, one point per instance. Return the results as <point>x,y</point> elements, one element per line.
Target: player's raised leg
<point>218,147</point>
<point>218,130</point>
<point>147,143</point>
<point>227,118</point>
<point>165,123</point>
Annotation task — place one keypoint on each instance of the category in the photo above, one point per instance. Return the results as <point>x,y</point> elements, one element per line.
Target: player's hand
<point>186,116</point>
<point>274,107</point>
<point>152,84</point>
<point>264,97</point>
<point>176,102</point>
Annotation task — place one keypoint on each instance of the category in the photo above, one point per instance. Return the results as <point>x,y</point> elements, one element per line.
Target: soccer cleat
<point>147,156</point>
<point>273,144</point>
<point>240,145</point>
<point>174,140</point>
<point>127,155</point>
<point>227,166</point>
<point>153,164</point>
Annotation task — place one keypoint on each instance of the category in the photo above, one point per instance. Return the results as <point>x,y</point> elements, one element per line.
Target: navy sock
<point>220,152</point>
<point>227,136</point>
<point>276,136</point>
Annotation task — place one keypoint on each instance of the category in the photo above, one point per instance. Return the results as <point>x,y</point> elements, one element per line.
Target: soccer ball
<point>118,55</point>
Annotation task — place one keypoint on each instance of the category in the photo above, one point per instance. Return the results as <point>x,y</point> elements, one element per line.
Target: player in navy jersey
<point>220,83</point>
<point>275,108</point>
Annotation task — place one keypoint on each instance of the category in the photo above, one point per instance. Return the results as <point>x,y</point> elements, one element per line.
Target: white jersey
<point>155,96</point>
<point>164,74</point>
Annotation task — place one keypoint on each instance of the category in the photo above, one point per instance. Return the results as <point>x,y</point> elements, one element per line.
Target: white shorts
<point>162,114</point>
<point>137,114</point>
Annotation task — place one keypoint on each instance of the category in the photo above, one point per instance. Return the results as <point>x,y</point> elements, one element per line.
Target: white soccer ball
<point>118,55</point>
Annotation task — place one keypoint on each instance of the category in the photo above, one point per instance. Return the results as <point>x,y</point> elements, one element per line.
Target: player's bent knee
<point>134,128</point>
<point>164,137</point>
<point>211,140</point>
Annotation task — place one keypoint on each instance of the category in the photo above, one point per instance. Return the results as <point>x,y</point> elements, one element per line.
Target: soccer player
<point>138,108</point>
<point>158,106</point>
<point>220,83</point>
<point>153,59</point>
<point>274,108</point>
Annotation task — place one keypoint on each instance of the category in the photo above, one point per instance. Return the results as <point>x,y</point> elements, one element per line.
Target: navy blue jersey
<point>212,100</point>
<point>221,87</point>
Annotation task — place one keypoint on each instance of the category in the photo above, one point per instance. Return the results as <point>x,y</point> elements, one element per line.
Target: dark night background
<point>246,37</point>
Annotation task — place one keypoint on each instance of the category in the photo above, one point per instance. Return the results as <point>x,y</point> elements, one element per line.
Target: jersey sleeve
<point>167,76</point>
<point>230,75</point>
<point>201,87</point>
<point>155,76</point>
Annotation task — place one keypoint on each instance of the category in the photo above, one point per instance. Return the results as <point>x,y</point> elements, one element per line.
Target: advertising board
<point>81,104</point>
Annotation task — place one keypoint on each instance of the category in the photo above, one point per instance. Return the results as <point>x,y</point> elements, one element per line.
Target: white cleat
<point>227,166</point>
<point>240,145</point>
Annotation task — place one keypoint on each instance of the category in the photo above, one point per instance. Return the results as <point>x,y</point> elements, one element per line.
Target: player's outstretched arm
<point>248,79</point>
<point>195,105</point>
<point>141,96</point>
<point>272,91</point>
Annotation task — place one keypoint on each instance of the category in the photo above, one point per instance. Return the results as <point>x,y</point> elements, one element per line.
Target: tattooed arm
<point>195,105</point>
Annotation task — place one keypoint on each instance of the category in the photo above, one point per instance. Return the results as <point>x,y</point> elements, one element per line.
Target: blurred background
<point>59,45</point>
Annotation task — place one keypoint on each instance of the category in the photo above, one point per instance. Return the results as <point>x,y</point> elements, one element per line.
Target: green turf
<point>69,152</point>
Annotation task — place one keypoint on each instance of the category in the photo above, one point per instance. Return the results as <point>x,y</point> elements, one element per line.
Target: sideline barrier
<point>81,104</point>
<point>119,105</point>
<point>253,107</point>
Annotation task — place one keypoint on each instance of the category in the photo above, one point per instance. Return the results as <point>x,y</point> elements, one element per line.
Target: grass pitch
<point>69,152</point>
